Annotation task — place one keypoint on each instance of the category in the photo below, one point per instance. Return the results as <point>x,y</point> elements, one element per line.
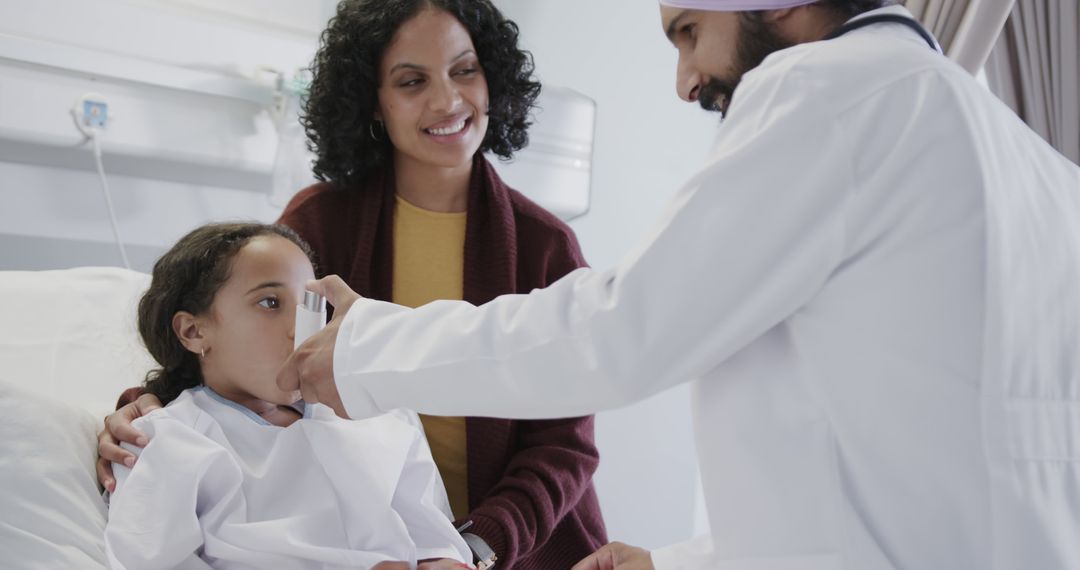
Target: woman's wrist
<point>483,556</point>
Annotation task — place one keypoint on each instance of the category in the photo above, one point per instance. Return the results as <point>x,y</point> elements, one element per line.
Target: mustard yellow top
<point>429,261</point>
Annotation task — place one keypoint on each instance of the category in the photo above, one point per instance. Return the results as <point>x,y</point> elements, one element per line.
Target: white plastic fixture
<point>555,169</point>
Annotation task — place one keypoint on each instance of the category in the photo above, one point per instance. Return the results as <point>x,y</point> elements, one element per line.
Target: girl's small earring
<point>371,129</point>
<point>202,352</point>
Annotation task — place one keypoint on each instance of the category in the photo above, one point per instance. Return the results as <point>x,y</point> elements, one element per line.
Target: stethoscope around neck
<point>886,18</point>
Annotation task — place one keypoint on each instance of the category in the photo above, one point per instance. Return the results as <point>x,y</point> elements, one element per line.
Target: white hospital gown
<point>219,487</point>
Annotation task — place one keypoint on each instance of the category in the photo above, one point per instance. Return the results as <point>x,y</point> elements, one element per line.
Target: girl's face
<point>248,331</point>
<point>433,97</point>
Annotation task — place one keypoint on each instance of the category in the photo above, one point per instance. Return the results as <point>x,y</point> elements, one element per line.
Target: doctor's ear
<point>187,329</point>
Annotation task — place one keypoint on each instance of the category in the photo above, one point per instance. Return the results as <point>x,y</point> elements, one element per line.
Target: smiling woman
<point>407,95</point>
<point>433,101</point>
<point>370,42</point>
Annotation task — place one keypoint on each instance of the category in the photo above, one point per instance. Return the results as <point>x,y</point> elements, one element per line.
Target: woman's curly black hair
<point>186,278</point>
<point>339,112</point>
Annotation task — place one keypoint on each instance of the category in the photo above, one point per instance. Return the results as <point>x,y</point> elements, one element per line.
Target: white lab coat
<point>218,487</point>
<point>874,287</point>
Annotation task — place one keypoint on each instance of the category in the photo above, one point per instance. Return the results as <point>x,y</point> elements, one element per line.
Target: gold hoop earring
<point>202,352</point>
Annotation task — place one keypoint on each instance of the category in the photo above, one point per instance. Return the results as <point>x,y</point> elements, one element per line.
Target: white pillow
<point>71,334</point>
<point>68,347</point>
<point>52,513</point>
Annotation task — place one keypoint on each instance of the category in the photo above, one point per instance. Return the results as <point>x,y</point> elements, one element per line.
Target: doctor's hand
<point>617,556</point>
<point>118,428</point>
<point>310,368</point>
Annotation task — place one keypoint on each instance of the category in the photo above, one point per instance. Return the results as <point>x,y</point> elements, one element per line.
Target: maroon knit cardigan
<point>531,496</point>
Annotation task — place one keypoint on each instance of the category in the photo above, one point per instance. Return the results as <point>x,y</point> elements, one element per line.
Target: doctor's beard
<point>757,39</point>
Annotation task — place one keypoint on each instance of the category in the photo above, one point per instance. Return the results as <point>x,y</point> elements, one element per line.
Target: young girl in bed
<point>238,474</point>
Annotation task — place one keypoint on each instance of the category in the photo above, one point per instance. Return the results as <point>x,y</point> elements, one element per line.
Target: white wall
<point>175,159</point>
<point>647,143</point>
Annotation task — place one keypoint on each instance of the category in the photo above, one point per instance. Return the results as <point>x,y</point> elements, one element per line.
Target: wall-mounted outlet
<point>95,113</point>
<point>91,114</point>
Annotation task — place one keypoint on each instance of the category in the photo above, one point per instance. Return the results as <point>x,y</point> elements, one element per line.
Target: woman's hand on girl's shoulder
<point>118,429</point>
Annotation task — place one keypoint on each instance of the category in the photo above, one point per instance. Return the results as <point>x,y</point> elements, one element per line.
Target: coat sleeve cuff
<point>358,401</point>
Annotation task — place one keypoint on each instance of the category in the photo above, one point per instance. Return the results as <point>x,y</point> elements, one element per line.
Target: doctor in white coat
<point>873,287</point>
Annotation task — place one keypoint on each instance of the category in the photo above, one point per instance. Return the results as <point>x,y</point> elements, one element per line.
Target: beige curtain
<point>1035,69</point>
<point>966,29</point>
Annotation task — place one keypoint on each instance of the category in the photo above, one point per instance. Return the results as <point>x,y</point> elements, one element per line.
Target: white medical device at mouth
<point>310,317</point>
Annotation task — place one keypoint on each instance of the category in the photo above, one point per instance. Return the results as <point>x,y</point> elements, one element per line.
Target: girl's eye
<point>688,30</point>
<point>468,71</point>
<point>410,83</point>
<point>269,303</point>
